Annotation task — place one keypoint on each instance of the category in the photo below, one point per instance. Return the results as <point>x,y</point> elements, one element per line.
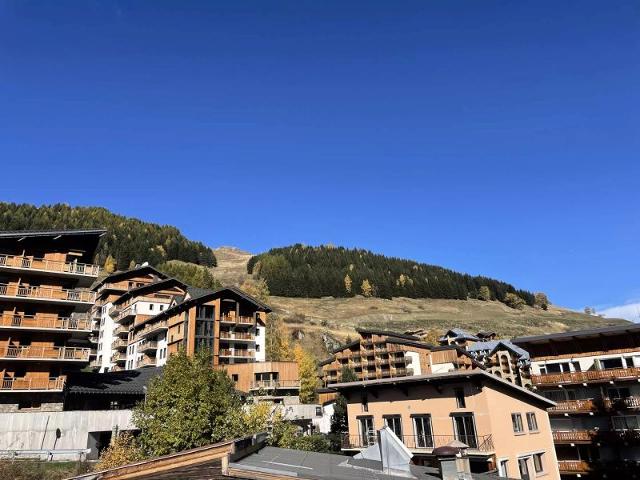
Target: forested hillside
<point>127,240</point>
<point>302,271</point>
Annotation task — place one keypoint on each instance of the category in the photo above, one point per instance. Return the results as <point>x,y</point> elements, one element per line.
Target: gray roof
<point>128,382</point>
<point>589,332</point>
<point>459,333</point>
<point>492,345</point>
<point>49,233</point>
<point>196,292</point>
<point>132,272</point>
<point>324,466</point>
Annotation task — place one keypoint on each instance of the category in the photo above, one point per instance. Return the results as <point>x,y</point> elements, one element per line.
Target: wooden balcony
<point>47,293</point>
<point>225,352</point>
<point>32,384</point>
<point>152,329</point>
<point>574,406</point>
<point>574,436</point>
<point>48,266</point>
<point>573,466</point>
<point>150,346</point>
<point>233,320</point>
<point>628,403</point>
<point>237,336</point>
<point>119,357</point>
<point>120,344</point>
<point>588,376</point>
<point>146,362</point>
<point>80,323</point>
<point>31,352</point>
<point>125,315</point>
<point>121,331</point>
<point>275,384</point>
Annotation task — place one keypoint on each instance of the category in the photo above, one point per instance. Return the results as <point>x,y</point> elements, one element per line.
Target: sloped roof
<point>493,345</point>
<point>50,233</point>
<point>150,287</point>
<point>373,331</point>
<point>124,274</point>
<point>128,382</point>
<point>458,333</point>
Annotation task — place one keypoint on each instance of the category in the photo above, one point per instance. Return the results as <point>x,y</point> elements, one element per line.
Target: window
<point>365,402</point>
<point>532,422</point>
<point>318,411</point>
<point>460,401</point>
<point>422,431</point>
<point>465,429</point>
<point>537,462</point>
<point>367,433</point>
<point>257,348</point>
<point>516,420</point>
<point>524,469</point>
<point>394,422</point>
<point>617,393</point>
<point>626,422</point>
<point>611,363</point>
<point>161,307</point>
<point>234,377</point>
<point>151,305</point>
<point>503,468</point>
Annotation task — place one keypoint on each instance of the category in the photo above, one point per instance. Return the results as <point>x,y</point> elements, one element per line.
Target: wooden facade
<point>594,378</point>
<point>44,320</point>
<point>381,354</point>
<point>265,378</point>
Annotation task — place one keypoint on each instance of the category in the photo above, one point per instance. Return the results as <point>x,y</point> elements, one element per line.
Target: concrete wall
<point>37,430</point>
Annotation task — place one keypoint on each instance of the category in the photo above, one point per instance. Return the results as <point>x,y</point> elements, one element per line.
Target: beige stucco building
<point>505,426</point>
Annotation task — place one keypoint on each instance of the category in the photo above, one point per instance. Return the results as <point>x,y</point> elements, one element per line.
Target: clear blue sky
<point>491,137</point>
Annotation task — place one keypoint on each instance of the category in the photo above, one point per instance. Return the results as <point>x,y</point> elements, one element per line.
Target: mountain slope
<point>304,271</point>
<point>323,321</point>
<point>127,239</point>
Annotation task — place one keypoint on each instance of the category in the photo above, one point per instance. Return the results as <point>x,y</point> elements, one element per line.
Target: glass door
<point>523,465</point>
<point>465,430</point>
<point>394,422</point>
<point>367,433</point>
<point>422,429</point>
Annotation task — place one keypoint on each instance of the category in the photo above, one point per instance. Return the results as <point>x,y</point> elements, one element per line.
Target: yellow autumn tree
<point>347,283</point>
<point>366,288</point>
<point>307,370</point>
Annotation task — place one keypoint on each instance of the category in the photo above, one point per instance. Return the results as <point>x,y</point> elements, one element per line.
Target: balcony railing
<point>242,336</point>
<point>27,383</point>
<point>45,265</point>
<point>573,466</point>
<point>121,331</point>
<point>119,344</point>
<point>79,323</point>
<point>225,352</point>
<point>47,293</point>
<point>152,328</point>
<point>32,352</point>
<point>574,436</point>
<point>118,357</point>
<point>237,320</point>
<point>274,384</point>
<point>476,443</point>
<point>146,361</point>
<point>126,312</point>
<point>631,403</point>
<point>148,346</point>
<point>574,406</point>
<point>586,376</point>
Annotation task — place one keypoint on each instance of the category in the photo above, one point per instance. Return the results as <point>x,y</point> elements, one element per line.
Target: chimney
<point>453,462</point>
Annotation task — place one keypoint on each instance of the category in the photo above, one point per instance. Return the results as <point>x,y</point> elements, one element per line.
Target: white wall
<point>261,343</point>
<point>105,350</point>
<point>37,430</point>
<point>587,363</point>
<point>415,362</point>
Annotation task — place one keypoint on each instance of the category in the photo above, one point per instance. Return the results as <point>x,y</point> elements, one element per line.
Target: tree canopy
<point>191,274</point>
<point>303,271</point>
<point>127,240</point>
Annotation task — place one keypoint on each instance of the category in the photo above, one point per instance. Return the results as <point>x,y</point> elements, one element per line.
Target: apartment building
<point>501,426</point>
<point>113,334</point>
<point>500,357</point>
<point>594,376</point>
<point>228,322</point>
<point>383,354</point>
<point>44,302</point>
